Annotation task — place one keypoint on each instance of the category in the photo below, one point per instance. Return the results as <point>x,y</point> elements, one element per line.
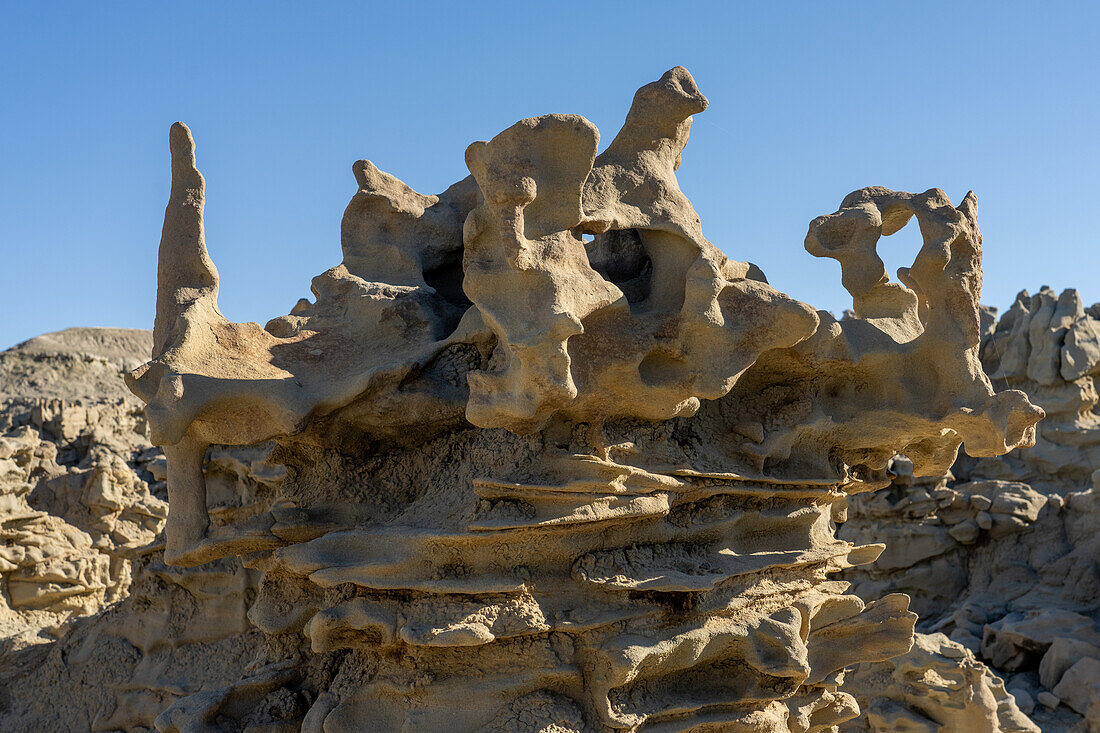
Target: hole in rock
<point>445,277</point>
<point>621,258</point>
<point>900,248</point>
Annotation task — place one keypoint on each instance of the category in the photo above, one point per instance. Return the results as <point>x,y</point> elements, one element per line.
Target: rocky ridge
<point>154,622</point>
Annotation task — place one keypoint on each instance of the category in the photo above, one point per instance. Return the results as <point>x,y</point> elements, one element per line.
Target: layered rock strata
<point>75,510</point>
<point>1001,554</point>
<point>553,461</point>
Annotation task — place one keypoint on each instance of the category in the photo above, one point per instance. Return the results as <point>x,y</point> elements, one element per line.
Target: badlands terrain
<point>540,457</point>
<point>999,557</point>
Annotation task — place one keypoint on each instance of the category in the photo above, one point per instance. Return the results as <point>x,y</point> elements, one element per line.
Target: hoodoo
<point>553,461</point>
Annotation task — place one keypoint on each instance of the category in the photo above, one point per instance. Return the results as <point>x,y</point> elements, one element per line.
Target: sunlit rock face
<point>1049,346</point>
<point>1000,553</point>
<point>552,460</point>
<point>96,632</point>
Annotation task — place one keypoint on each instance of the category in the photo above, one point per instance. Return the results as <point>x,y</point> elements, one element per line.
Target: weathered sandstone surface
<point>1001,554</point>
<point>82,510</point>
<point>75,512</point>
<point>536,457</point>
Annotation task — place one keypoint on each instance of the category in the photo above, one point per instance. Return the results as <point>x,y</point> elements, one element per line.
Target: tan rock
<point>1018,638</point>
<point>1078,685</point>
<point>1063,653</point>
<point>498,475</point>
<point>1049,700</point>
<point>937,686</point>
<point>1055,360</point>
<point>965,532</point>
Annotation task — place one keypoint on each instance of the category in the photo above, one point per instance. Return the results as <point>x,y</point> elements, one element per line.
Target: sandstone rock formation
<point>75,513</point>
<point>81,516</point>
<point>1002,554</point>
<point>937,686</point>
<point>1050,346</point>
<point>552,460</point>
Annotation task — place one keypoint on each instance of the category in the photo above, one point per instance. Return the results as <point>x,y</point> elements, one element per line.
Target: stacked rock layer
<point>1000,554</point>
<point>553,461</point>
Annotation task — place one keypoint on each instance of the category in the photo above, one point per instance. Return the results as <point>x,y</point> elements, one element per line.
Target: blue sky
<point>809,101</point>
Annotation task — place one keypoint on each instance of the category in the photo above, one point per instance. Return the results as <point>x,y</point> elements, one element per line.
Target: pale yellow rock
<point>539,457</point>
<point>1078,685</point>
<point>937,686</point>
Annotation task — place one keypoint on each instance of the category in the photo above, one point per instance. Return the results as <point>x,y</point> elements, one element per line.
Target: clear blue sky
<point>809,101</point>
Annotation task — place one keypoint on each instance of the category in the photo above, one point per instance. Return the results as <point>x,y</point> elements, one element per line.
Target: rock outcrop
<point>1002,554</point>
<point>553,462</point>
<point>82,510</point>
<point>938,685</point>
<point>75,512</point>
<point>1049,346</point>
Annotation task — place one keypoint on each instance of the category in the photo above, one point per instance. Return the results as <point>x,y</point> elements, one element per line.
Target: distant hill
<point>77,364</point>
